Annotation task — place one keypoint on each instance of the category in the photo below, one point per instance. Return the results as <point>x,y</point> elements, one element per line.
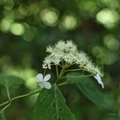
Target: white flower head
<point>43,80</point>
<point>98,78</point>
<point>66,52</point>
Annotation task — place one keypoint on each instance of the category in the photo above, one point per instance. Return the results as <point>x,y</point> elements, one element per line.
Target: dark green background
<point>27,27</point>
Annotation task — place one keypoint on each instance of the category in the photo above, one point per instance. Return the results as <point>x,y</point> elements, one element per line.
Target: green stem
<point>18,97</point>
<point>63,83</point>
<point>72,70</point>
<point>6,106</point>
<point>8,93</point>
<point>9,99</point>
<point>64,67</point>
<point>77,76</point>
<point>57,70</point>
<point>61,74</point>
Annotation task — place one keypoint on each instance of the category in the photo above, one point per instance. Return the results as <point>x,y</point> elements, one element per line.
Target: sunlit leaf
<point>2,116</point>
<point>88,87</point>
<point>51,106</point>
<point>10,80</point>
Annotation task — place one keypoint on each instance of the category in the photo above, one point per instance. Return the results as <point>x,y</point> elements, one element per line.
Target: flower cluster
<point>67,52</point>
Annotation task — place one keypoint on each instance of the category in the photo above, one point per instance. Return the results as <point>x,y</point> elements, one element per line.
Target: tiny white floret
<point>43,80</point>
<point>98,78</point>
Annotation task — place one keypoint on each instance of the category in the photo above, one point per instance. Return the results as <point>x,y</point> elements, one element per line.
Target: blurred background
<point>27,27</point>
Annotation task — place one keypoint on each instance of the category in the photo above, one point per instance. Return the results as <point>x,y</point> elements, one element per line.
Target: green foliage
<point>2,116</point>
<point>10,80</point>
<point>51,106</point>
<point>88,87</point>
<point>27,27</point>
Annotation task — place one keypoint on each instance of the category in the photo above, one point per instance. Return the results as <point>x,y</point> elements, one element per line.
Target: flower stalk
<point>21,96</point>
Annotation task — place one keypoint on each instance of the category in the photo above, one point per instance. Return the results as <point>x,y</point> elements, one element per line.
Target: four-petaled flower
<point>98,78</point>
<point>43,80</point>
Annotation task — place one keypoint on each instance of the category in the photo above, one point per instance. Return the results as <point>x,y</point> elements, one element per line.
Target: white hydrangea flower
<point>68,53</point>
<point>98,78</point>
<point>60,45</point>
<point>43,80</point>
<point>70,58</point>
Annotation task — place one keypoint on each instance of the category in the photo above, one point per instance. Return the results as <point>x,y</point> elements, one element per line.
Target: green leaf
<point>10,80</point>
<point>88,87</point>
<point>2,116</point>
<point>51,106</point>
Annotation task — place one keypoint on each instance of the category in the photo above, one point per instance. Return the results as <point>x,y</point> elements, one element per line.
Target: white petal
<point>97,77</point>
<point>47,85</point>
<point>39,77</point>
<point>47,77</point>
<point>41,84</point>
